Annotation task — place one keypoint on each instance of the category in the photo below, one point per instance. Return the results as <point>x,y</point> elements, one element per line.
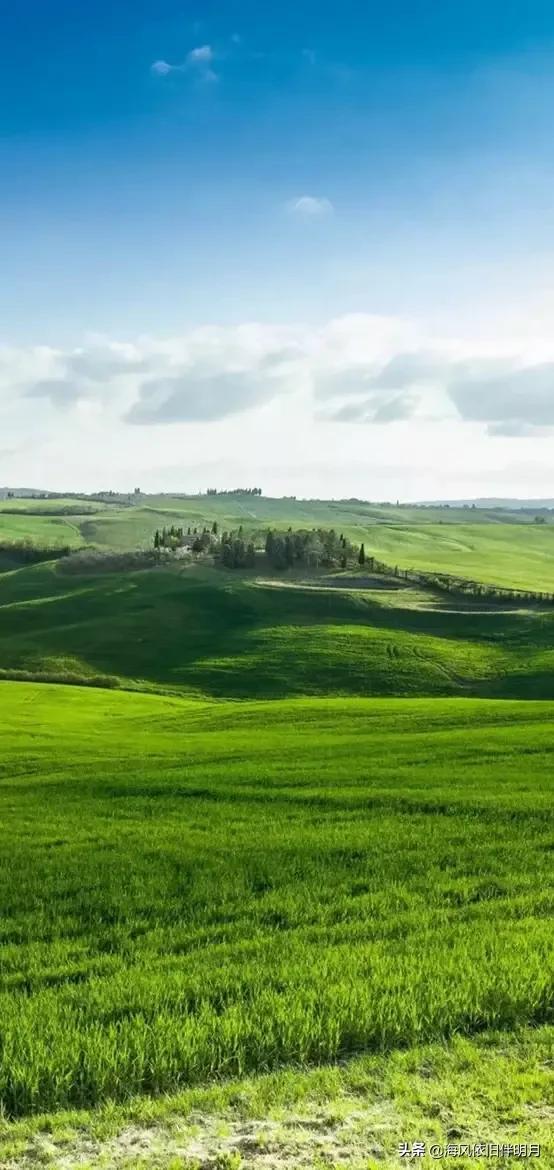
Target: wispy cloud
<point>162,68</point>
<point>310,207</point>
<point>356,369</point>
<point>202,55</point>
<point>198,61</point>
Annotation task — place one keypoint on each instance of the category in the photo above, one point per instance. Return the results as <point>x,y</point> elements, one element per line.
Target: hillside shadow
<point>232,637</point>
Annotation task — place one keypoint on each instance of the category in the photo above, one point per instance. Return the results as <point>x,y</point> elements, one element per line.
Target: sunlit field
<point>195,890</point>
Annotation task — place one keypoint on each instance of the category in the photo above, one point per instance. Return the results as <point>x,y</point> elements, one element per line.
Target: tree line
<point>256,491</point>
<point>199,540</point>
<point>462,586</point>
<point>301,548</point>
<point>311,548</point>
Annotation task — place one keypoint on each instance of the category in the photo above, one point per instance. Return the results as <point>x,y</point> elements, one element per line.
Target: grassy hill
<point>54,531</point>
<point>192,889</point>
<point>207,632</point>
<point>61,504</point>
<point>351,859</point>
<point>498,554</point>
<point>493,546</point>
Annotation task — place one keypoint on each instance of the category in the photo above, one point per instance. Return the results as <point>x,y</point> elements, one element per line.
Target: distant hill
<point>491,502</point>
<point>22,492</point>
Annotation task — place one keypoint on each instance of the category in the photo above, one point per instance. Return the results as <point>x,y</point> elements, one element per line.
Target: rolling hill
<point>287,822</point>
<point>209,632</point>
<point>492,546</point>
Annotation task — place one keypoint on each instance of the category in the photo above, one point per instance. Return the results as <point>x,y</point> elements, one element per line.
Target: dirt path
<point>347,583</point>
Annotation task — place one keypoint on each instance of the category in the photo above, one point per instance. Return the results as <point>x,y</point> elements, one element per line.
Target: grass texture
<point>195,890</point>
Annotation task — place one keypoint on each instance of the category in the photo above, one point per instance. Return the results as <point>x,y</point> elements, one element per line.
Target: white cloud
<point>201,55</point>
<point>310,207</point>
<point>390,395</point>
<point>377,408</point>
<point>355,368</point>
<point>512,401</point>
<point>162,68</point>
<point>198,62</point>
<point>507,393</point>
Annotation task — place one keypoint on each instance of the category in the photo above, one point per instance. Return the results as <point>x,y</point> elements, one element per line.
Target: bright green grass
<point>211,633</point>
<point>492,546</point>
<point>520,556</point>
<point>264,510</point>
<point>495,1087</point>
<point>42,530</point>
<point>514,554</point>
<point>193,890</point>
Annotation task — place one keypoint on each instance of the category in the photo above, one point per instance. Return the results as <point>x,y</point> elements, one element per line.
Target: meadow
<point>292,842</point>
<point>207,632</point>
<point>195,890</point>
<point>495,546</point>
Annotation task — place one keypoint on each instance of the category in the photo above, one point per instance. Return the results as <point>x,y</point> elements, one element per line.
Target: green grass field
<point>193,890</point>
<point>512,555</point>
<point>207,632</point>
<point>520,556</point>
<point>293,850</point>
<point>43,530</point>
<point>495,547</point>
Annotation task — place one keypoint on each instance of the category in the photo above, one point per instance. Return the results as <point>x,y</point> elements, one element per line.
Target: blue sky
<point>169,168</point>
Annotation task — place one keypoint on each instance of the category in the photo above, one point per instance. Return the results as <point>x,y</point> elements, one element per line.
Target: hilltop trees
<point>235,492</point>
<point>173,538</point>
<point>318,546</point>
<point>313,548</point>
<point>168,537</point>
<point>302,548</point>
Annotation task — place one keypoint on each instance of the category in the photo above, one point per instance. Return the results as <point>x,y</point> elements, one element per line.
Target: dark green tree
<point>278,553</point>
<point>361,555</point>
